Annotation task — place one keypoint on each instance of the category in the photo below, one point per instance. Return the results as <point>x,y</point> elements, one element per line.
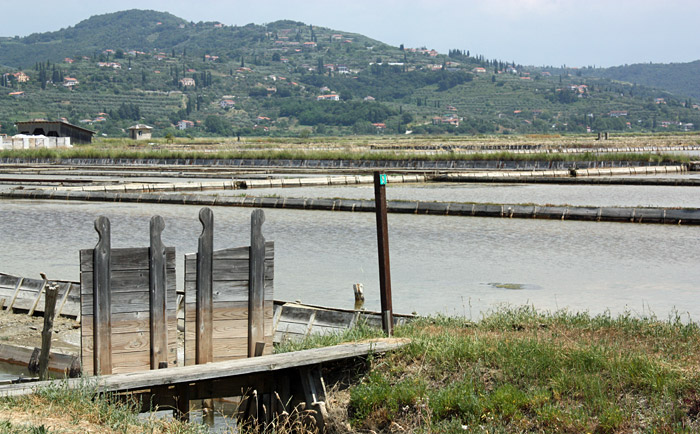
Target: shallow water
<point>452,265</point>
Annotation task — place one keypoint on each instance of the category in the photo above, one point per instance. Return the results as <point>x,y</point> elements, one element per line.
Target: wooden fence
<point>127,304</point>
<point>128,301</point>
<point>228,297</point>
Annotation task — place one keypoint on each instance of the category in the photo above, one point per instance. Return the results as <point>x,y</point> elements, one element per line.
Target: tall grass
<point>518,370</point>
<point>90,152</point>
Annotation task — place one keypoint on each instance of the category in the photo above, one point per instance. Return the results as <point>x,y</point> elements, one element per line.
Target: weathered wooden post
<point>204,352</point>
<point>101,292</point>
<point>157,305</point>
<point>383,246</point>
<point>47,331</point>
<point>256,286</point>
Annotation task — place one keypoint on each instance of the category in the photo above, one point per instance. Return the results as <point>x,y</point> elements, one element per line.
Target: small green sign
<point>382,179</point>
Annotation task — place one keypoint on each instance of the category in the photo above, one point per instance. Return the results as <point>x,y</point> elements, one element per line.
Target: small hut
<point>140,132</point>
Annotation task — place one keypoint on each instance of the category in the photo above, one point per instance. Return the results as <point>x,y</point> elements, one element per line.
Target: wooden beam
<point>256,282</point>
<point>16,293</point>
<point>204,349</point>
<point>230,369</point>
<point>101,292</point>
<point>157,296</point>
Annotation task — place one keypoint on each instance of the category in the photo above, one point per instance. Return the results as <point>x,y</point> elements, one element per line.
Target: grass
<point>516,370</point>
<point>91,152</point>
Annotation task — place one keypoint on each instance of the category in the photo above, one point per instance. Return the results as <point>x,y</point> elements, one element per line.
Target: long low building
<point>78,135</point>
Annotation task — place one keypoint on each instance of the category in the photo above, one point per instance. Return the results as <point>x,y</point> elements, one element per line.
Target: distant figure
<point>358,289</point>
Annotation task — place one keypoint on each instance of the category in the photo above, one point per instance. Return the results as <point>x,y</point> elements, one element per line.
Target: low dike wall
<point>610,214</point>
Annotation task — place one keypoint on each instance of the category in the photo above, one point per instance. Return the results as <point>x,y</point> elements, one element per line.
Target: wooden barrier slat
<point>124,259</point>
<point>225,292</point>
<point>224,329</point>
<point>124,302</point>
<point>233,269</point>
<point>126,281</point>
<point>235,253</point>
<point>229,311</point>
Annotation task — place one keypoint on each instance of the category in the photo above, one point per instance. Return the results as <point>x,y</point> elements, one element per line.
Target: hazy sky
<point>529,32</point>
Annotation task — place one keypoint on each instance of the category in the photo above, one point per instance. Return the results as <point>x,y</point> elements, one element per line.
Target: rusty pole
<point>383,245</point>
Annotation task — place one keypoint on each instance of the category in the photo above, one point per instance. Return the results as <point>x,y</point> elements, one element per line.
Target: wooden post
<point>383,246</point>
<point>102,316</point>
<point>158,319</point>
<point>47,332</point>
<point>256,284</point>
<point>204,351</point>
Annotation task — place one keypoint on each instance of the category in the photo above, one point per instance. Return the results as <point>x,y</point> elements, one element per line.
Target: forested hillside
<point>682,79</point>
<point>288,78</point>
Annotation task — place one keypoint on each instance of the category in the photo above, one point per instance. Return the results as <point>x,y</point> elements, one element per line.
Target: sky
<point>574,33</point>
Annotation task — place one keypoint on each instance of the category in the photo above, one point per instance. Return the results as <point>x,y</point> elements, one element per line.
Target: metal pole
<point>383,245</point>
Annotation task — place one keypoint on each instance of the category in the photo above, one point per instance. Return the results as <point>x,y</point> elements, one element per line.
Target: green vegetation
<point>518,370</point>
<point>515,370</point>
<point>265,80</point>
<point>57,408</point>
<point>86,152</point>
<point>677,78</point>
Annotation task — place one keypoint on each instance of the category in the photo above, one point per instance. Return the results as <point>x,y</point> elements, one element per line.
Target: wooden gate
<point>128,305</point>
<point>228,297</point>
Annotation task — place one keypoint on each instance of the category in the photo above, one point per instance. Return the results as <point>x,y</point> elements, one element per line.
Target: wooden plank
<point>14,296</point>
<point>125,281</point>
<point>204,349</point>
<point>226,291</point>
<point>102,325</point>
<point>125,259</point>
<point>221,370</point>
<point>223,269</point>
<point>67,286</point>
<point>256,321</point>
<point>228,311</point>
<point>132,301</point>
<point>158,308</point>
<point>41,291</point>
<point>235,253</point>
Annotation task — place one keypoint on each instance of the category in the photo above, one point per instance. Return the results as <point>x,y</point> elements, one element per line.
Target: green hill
<point>290,78</point>
<point>682,79</point>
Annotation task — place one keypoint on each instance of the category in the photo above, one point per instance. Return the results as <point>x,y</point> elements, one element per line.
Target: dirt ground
<point>23,330</point>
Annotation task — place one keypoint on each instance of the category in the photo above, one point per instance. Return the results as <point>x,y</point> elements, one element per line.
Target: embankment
<point>611,214</point>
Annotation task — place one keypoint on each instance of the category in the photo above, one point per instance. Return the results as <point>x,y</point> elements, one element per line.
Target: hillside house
<point>329,97</point>
<point>369,98</point>
<point>21,77</point>
<point>187,82</point>
<point>227,103</point>
<point>479,70</point>
<point>185,124</point>
<point>140,132</point>
<point>17,94</point>
<point>617,113</point>
<point>70,82</point>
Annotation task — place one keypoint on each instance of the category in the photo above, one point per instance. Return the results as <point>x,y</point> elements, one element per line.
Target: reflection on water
<point>439,264</point>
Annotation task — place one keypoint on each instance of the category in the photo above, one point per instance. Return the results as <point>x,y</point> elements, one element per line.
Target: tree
<point>217,125</point>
